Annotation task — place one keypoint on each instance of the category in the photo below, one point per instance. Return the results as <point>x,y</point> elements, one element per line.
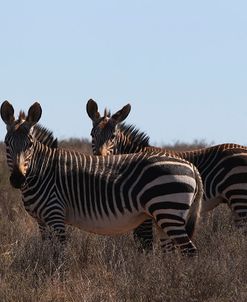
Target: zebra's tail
<point>195,209</point>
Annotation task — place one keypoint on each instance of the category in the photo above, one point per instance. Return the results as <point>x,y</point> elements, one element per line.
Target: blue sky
<point>182,65</point>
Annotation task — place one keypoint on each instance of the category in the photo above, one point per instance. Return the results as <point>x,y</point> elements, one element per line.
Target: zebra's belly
<point>108,225</point>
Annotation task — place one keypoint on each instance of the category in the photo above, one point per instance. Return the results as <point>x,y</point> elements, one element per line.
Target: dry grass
<point>98,268</point>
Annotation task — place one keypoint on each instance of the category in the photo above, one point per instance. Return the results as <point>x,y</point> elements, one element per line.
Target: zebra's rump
<point>224,173</point>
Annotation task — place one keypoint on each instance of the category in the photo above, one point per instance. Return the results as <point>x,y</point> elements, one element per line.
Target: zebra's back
<point>106,188</point>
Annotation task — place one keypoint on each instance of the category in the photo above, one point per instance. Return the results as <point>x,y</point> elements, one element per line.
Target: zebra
<point>106,195</point>
<point>223,168</point>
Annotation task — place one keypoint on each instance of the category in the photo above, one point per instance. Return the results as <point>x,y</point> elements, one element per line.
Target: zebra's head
<point>19,140</point>
<point>105,128</point>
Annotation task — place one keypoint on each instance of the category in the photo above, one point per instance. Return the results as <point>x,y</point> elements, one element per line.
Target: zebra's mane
<point>44,136</point>
<point>134,135</point>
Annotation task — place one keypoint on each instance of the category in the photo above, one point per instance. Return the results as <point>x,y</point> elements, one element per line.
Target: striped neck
<point>42,164</point>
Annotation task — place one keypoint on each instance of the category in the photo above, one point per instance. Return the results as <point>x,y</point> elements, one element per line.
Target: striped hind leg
<point>166,243</point>
<point>173,225</point>
<point>143,235</point>
<point>178,237</point>
<point>238,206</point>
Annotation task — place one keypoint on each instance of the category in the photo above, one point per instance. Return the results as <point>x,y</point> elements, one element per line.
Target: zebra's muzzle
<point>17,179</point>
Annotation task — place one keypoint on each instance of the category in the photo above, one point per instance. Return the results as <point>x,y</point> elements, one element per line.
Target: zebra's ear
<point>34,114</point>
<point>92,110</point>
<point>7,113</point>
<point>121,115</point>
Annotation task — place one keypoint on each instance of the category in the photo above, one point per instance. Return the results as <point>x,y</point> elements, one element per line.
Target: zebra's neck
<point>42,164</point>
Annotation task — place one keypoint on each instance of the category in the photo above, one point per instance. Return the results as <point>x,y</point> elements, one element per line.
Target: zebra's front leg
<point>50,230</point>
<point>53,231</point>
<point>53,228</point>
<point>44,231</point>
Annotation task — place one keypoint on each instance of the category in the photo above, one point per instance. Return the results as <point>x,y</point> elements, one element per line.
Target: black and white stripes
<point>223,168</point>
<point>104,195</point>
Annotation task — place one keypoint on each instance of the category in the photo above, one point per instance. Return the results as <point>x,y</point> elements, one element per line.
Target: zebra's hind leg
<point>174,228</point>
<point>177,237</point>
<point>238,207</point>
<point>166,244</point>
<point>143,235</point>
<point>185,244</point>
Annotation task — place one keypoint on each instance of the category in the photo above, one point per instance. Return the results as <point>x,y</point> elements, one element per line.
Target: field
<point>111,269</point>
